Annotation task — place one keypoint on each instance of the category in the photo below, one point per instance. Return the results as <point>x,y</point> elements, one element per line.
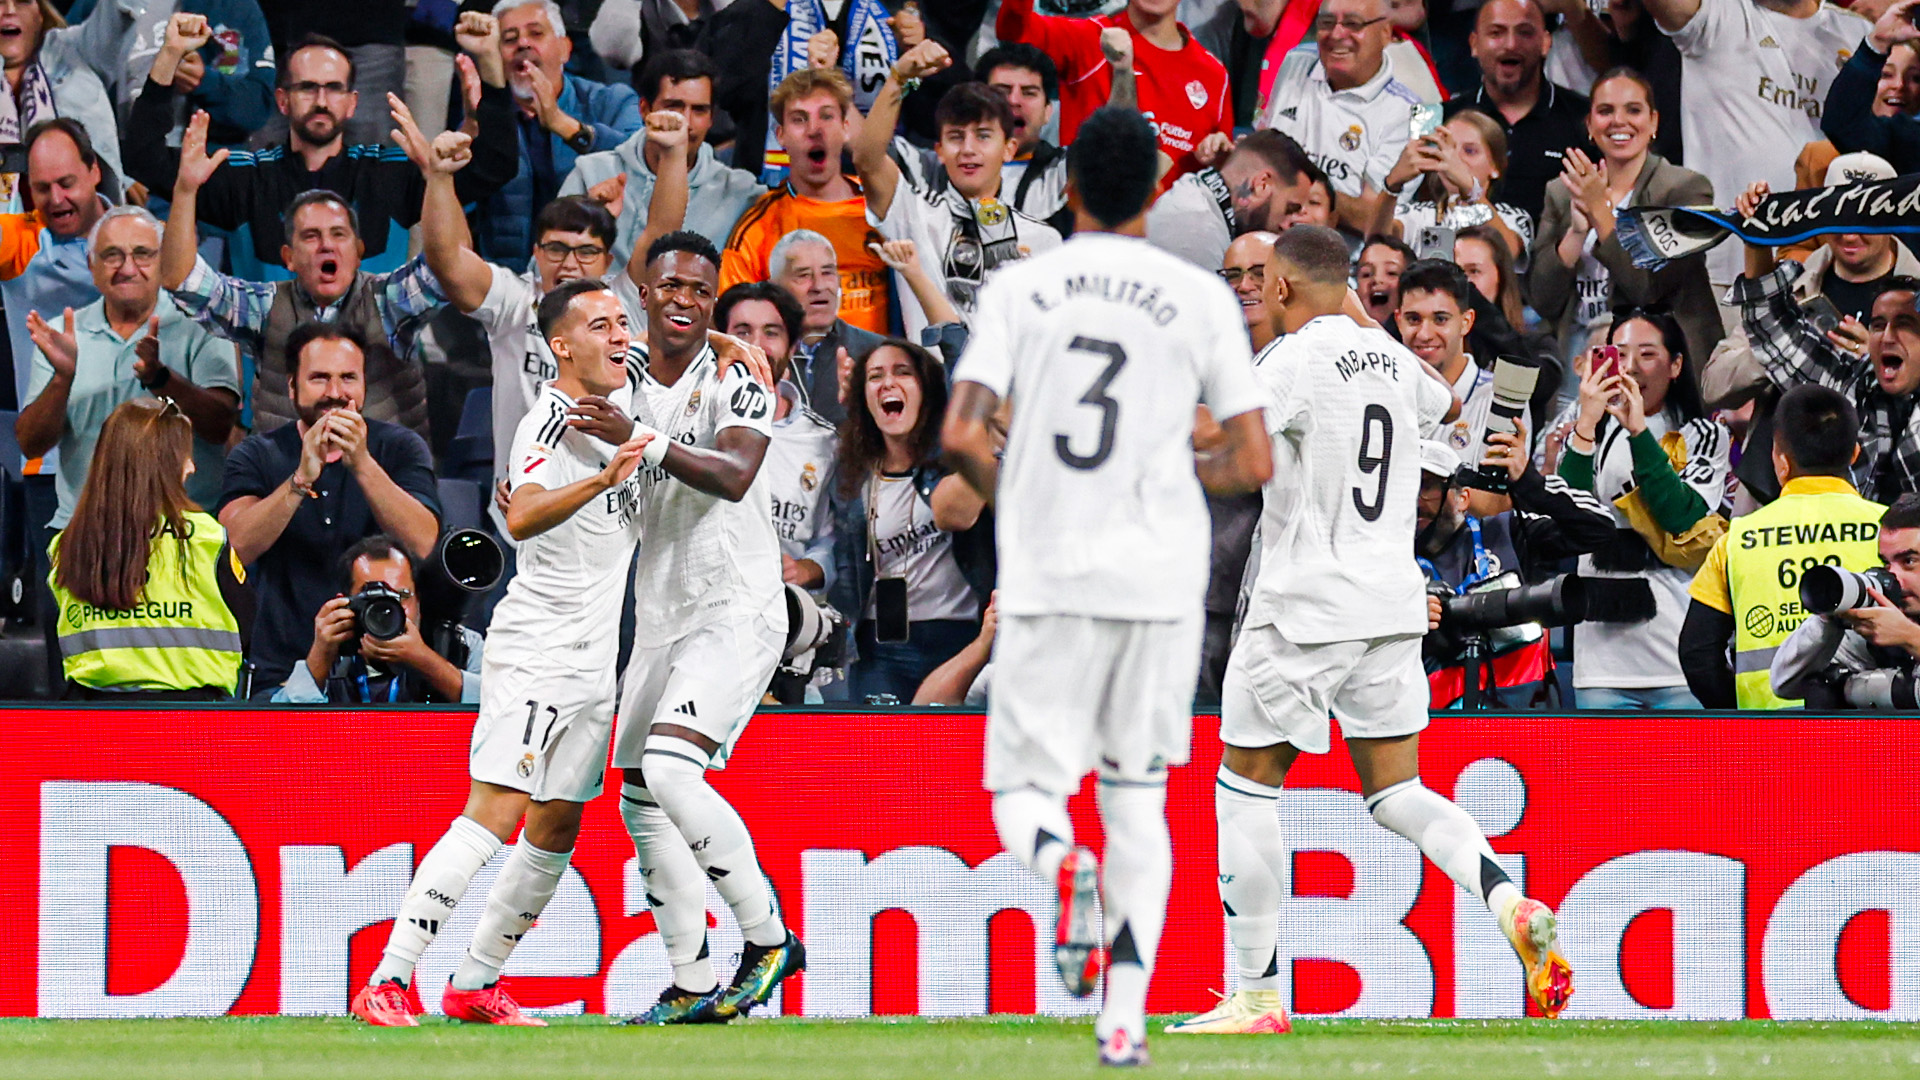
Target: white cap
<point>1857,167</point>
<point>1438,458</point>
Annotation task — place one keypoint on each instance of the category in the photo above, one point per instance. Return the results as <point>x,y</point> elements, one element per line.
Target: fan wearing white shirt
<point>1112,343</point>
<point>1334,627</point>
<point>547,689</point>
<point>962,228</point>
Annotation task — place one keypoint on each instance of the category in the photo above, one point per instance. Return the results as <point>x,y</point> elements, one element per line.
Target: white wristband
<point>656,450</point>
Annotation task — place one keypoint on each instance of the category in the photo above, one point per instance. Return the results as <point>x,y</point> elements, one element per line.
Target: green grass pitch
<point>585,1048</point>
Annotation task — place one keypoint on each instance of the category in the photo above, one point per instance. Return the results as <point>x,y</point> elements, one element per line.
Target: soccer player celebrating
<point>712,620</point>
<point>1103,542</point>
<point>547,675</point>
<point>1334,626</point>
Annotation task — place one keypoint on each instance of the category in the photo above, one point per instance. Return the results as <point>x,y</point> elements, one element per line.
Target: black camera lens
<point>378,612</point>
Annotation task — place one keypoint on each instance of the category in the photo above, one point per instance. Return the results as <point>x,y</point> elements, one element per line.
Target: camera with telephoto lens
<point>815,635</point>
<point>1501,614</point>
<point>1514,378</point>
<point>1825,590</point>
<point>378,612</point>
<point>1880,688</point>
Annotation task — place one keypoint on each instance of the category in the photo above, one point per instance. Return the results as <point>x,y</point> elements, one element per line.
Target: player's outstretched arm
<point>667,206</point>
<point>967,437</point>
<point>533,509</point>
<point>1245,460</point>
<point>727,470</point>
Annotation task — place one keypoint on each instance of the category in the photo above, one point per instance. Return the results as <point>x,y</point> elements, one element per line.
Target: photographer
<point>1818,660</point>
<point>1461,553</point>
<point>352,662</point>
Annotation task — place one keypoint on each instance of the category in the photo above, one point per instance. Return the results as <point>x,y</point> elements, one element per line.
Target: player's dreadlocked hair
<point>862,446</point>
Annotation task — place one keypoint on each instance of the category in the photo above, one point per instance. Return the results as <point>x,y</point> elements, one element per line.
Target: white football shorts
<point>1073,693</point>
<point>1276,691</point>
<point>543,728</point>
<point>709,681</point>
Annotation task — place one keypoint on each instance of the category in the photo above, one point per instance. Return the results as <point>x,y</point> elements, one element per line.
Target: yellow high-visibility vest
<point>180,635</point>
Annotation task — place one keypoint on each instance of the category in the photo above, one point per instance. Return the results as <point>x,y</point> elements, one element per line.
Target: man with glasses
<point>316,94</point>
<point>126,344</point>
<point>1344,106</point>
<point>1180,87</point>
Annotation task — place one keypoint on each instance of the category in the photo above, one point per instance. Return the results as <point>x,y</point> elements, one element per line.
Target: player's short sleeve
<point>1716,22</point>
<point>1228,386</point>
<point>508,304</point>
<point>534,458</point>
<point>743,402</point>
<point>1710,581</point>
<point>988,359</point>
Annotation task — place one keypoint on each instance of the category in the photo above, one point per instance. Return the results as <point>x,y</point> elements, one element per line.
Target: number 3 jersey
<point>702,559</point>
<point>1336,535</point>
<point>564,599</point>
<point>1105,345</point>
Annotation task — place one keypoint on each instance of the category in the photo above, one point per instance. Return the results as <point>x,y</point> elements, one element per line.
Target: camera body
<point>1502,613</point>
<point>1825,590</point>
<point>378,611</point>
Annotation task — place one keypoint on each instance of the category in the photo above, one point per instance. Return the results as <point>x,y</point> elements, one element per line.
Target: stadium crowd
<point>319,234</point>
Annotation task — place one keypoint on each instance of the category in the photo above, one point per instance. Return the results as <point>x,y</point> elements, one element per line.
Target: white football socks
<point>437,886</point>
<point>1448,836</point>
<point>676,889</point>
<point>1253,855</point>
<point>1034,828</point>
<point>676,772</point>
<point>1136,874</point>
<point>518,897</point>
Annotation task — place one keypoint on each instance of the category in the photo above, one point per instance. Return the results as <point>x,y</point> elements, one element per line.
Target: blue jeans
<point>1656,699</point>
<point>898,667</point>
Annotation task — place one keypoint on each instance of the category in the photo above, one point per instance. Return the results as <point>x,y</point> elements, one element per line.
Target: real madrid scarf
<point>983,238</point>
<point>1654,236</point>
<point>866,56</point>
<point>1216,186</point>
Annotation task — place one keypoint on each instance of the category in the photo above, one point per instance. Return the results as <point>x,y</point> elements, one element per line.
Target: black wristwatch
<point>159,381</point>
<point>581,140</point>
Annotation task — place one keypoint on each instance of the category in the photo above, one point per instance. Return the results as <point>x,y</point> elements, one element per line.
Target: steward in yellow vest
<point>141,577</point>
<point>1748,590</point>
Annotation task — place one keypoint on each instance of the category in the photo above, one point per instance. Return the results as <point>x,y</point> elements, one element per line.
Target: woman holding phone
<point>913,546</point>
<point>1579,272</point>
<point>1459,165</point>
<point>1643,444</point>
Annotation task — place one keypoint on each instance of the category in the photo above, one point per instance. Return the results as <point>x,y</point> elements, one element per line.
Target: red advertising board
<point>199,862</point>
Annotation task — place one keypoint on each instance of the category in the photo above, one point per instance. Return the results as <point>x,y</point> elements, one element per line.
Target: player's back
<point>1105,346</point>
<point>1336,552</point>
<point>566,584</point>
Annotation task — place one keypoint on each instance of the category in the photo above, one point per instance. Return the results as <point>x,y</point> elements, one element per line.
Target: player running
<point>1334,625</point>
<point>1103,543</point>
<point>711,621</point>
<point>546,677</point>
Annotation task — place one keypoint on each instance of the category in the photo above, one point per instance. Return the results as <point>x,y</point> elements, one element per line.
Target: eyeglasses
<point>1233,274</point>
<point>1350,25</point>
<point>311,89</point>
<point>115,258</point>
<point>558,252</point>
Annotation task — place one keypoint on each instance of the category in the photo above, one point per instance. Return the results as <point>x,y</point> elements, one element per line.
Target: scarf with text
<point>984,237</point>
<point>866,56</point>
<point>1654,236</point>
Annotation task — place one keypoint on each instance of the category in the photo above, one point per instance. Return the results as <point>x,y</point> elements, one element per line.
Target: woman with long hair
<point>1488,263</point>
<point>1459,167</point>
<point>913,546</point>
<point>1644,445</point>
<point>1579,272</point>
<point>144,580</point>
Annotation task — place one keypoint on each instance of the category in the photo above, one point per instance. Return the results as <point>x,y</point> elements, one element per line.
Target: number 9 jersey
<point>1336,536</point>
<point>1105,345</point>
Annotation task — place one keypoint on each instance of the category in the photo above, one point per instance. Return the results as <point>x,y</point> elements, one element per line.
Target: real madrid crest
<point>693,403</point>
<point>809,477</point>
<point>1350,139</point>
<point>525,768</point>
<point>990,213</point>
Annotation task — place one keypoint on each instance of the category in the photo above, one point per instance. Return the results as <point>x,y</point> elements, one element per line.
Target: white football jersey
<point>1336,534</point>
<point>566,590</point>
<point>704,559</point>
<point>1105,346</point>
<point>799,471</point>
<point>1354,135</point>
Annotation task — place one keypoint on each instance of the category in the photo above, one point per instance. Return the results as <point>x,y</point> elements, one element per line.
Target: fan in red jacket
<point>1181,87</point>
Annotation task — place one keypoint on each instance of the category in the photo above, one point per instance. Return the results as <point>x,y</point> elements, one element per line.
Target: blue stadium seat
<point>463,504</point>
<point>470,456</point>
